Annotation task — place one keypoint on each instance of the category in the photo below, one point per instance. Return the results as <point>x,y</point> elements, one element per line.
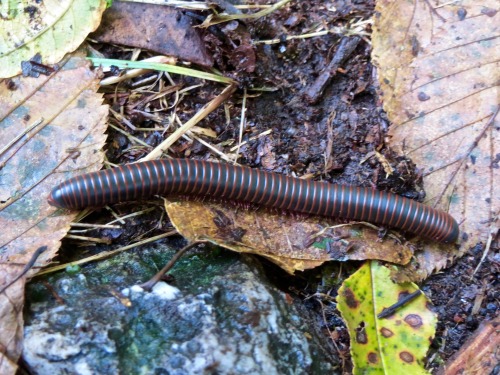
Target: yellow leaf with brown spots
<point>45,29</point>
<point>394,345</point>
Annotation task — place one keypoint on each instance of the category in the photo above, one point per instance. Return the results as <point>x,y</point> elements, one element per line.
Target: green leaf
<point>395,345</point>
<point>48,28</point>
<point>125,64</point>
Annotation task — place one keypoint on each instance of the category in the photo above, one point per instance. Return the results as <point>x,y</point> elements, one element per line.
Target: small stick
<point>242,124</point>
<point>148,285</point>
<point>346,47</point>
<point>106,254</point>
<point>94,226</point>
<point>493,234</point>
<point>200,115</point>
<point>106,241</point>
<point>26,268</point>
<point>388,311</point>
<point>20,135</point>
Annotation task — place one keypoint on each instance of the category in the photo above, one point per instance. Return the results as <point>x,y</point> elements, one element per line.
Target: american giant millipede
<point>133,181</point>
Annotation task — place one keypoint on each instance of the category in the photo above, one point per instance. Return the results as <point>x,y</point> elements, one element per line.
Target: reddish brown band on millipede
<point>170,176</point>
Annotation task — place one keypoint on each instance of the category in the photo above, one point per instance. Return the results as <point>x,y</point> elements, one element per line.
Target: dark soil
<point>322,135</point>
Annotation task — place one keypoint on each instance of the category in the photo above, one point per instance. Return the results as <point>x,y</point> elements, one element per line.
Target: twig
<point>94,226</point>
<point>106,241</point>
<point>26,268</point>
<point>200,115</point>
<point>129,136</point>
<point>123,119</point>
<point>388,311</point>
<point>264,133</point>
<point>121,219</point>
<point>106,254</point>
<point>242,124</point>
<point>493,233</point>
<point>357,28</point>
<point>214,150</point>
<point>344,50</point>
<point>20,135</point>
<point>148,285</point>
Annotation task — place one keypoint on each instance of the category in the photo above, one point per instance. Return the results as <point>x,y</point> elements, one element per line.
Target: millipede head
<point>56,199</point>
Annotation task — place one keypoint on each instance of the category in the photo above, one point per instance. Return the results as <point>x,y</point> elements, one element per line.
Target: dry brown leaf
<point>290,242</point>
<point>439,72</point>
<point>155,27</point>
<point>68,139</point>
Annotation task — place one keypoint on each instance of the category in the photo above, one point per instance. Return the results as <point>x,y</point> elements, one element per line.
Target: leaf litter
<point>310,170</point>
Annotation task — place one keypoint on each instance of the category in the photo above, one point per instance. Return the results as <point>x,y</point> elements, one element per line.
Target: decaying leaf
<point>66,138</point>
<point>155,27</point>
<point>394,345</point>
<point>439,72</point>
<point>50,29</point>
<point>292,243</point>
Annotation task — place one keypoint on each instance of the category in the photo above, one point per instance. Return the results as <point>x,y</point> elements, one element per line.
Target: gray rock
<point>225,318</point>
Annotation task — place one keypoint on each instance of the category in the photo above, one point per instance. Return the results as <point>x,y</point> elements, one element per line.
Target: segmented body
<point>203,178</point>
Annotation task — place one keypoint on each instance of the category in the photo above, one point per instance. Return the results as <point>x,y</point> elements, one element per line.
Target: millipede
<point>237,183</point>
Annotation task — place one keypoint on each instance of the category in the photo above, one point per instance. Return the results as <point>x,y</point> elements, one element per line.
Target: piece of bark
<point>344,50</point>
<point>478,356</point>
